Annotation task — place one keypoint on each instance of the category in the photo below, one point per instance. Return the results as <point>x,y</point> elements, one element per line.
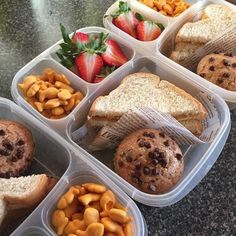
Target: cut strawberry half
<point>113,55</point>
<point>148,31</point>
<point>98,79</point>
<point>88,65</point>
<point>125,19</point>
<point>83,38</point>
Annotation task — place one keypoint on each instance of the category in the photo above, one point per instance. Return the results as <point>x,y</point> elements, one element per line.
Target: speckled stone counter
<point>29,27</point>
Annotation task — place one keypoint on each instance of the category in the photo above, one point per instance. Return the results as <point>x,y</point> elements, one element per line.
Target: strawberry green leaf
<point>160,26</point>
<point>139,16</point>
<point>65,35</point>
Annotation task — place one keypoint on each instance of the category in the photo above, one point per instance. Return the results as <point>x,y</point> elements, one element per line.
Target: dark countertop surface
<point>29,27</point>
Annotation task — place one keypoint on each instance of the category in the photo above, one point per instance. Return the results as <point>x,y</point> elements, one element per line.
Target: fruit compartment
<point>51,156</point>
<point>125,46</point>
<point>79,173</point>
<point>169,18</point>
<point>146,13</point>
<point>166,45</point>
<point>198,158</point>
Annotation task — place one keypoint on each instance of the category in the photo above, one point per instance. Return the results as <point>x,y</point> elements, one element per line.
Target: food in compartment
<point>215,19</point>
<point>50,94</point>
<point>170,8</point>
<point>90,55</point>
<point>147,90</point>
<point>134,24</point>
<point>23,192</point>
<point>90,209</point>
<point>149,160</point>
<point>219,69</point>
<point>16,149</point>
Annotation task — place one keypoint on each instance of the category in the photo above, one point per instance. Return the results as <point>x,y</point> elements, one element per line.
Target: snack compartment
<point>198,158</point>
<point>166,45</point>
<point>80,173</point>
<point>140,46</point>
<point>51,157</point>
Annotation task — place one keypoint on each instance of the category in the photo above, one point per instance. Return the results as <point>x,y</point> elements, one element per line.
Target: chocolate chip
<point>216,52</point>
<point>20,152</point>
<point>135,180</point>
<point>166,143</point>
<point>137,173</point>
<point>14,159</point>
<point>20,142</point>
<point>146,170</point>
<point>152,187</point>
<point>163,162</point>
<point>120,163</point>
<point>229,54</point>
<point>147,144</point>
<point>234,65</point>
<point>9,174</point>
<point>141,143</point>
<point>225,62</point>
<point>211,68</point>
<point>162,135</point>
<point>149,134</point>
<point>8,144</point>
<point>2,132</point>
<point>220,80</point>
<point>211,59</point>
<point>129,159</point>
<point>154,161</point>
<point>155,172</point>
<point>203,75</point>
<point>226,75</point>
<point>138,166</point>
<point>178,156</point>
<point>5,152</point>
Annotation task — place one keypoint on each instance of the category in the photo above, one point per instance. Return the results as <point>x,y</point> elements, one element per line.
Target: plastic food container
<point>135,6</point>
<point>166,43</point>
<point>54,156</point>
<point>169,18</point>
<point>49,59</point>
<point>198,158</point>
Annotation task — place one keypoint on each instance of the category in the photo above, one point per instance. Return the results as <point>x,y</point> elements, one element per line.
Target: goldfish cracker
<point>71,209</point>
<point>27,82</point>
<point>89,197</point>
<point>94,188</point>
<point>59,221</point>
<point>96,205</point>
<point>57,111</point>
<point>74,225</point>
<point>128,230</point>
<point>62,78</point>
<point>91,215</point>
<point>67,198</point>
<point>48,93</point>
<point>119,216</point>
<point>107,200</point>
<point>64,94</point>
<point>112,226</point>
<point>61,85</point>
<point>120,206</point>
<point>94,229</point>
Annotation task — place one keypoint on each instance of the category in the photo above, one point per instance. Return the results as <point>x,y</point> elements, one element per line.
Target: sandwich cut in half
<point>147,90</point>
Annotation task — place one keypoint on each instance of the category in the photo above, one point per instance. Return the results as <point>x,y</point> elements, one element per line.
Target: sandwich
<point>147,90</point>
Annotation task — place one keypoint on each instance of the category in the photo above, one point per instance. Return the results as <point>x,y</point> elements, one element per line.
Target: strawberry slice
<point>125,19</point>
<point>148,30</point>
<point>83,38</point>
<point>113,55</point>
<point>88,65</point>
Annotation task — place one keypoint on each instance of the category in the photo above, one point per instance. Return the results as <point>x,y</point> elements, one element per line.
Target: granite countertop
<point>29,27</point>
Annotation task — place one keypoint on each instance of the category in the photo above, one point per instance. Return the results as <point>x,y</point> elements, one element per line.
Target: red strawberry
<point>83,38</point>
<point>98,79</point>
<point>148,31</point>
<point>125,19</point>
<point>113,55</point>
<point>88,65</point>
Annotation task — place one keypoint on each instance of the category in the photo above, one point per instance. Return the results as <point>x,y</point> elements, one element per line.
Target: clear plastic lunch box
<point>198,158</point>
<point>166,42</point>
<point>54,156</point>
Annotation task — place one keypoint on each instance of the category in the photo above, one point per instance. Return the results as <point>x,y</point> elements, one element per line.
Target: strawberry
<point>125,19</point>
<point>148,30</point>
<point>106,70</point>
<point>83,38</point>
<point>113,55</point>
<point>88,65</point>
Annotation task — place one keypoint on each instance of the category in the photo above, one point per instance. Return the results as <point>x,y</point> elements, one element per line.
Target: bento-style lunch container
<point>176,49</point>
<point>56,158</point>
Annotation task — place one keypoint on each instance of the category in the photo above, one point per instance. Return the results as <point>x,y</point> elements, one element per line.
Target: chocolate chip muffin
<point>149,160</point>
<point>219,69</point>
<point>16,149</point>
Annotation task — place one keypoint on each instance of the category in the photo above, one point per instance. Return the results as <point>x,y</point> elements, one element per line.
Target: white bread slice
<point>3,210</point>
<point>146,90</point>
<point>216,19</point>
<point>23,191</point>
